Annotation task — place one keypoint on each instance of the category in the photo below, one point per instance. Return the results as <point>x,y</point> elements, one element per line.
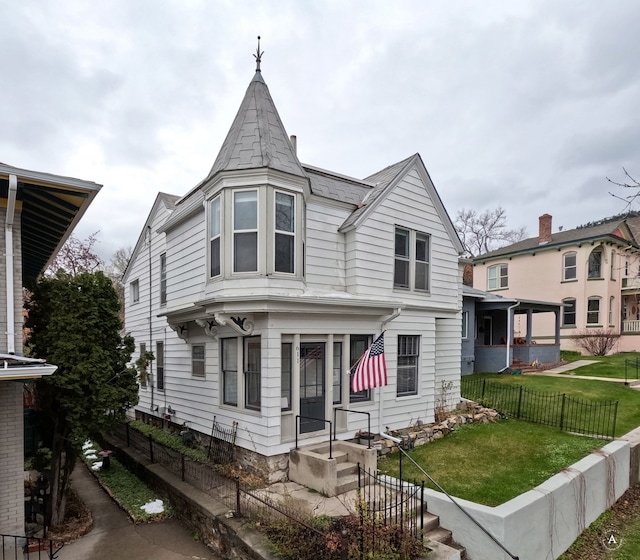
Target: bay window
<point>284,233</point>
<point>245,231</point>
<point>214,236</point>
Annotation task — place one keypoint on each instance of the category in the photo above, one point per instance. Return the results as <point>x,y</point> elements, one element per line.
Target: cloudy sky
<point>528,105</point>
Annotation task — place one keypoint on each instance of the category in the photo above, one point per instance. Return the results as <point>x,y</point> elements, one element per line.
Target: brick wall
<point>11,459</point>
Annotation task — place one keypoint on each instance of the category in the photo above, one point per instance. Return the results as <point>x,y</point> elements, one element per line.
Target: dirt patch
<point>590,545</point>
<point>78,521</point>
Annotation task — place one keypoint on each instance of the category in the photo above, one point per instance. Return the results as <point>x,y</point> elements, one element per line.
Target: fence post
<point>151,448</point>
<point>182,457</point>
<point>615,418</point>
<point>238,497</point>
<point>519,401</point>
<point>484,381</point>
<point>564,397</point>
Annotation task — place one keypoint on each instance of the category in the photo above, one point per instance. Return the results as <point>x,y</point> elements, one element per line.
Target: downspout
<point>506,366</point>
<point>150,324</point>
<point>9,257</point>
<point>382,325</point>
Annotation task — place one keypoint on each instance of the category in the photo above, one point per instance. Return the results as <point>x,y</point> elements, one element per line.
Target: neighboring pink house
<point>594,271</point>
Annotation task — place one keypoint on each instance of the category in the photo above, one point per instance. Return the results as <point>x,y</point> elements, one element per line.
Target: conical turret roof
<point>257,137</point>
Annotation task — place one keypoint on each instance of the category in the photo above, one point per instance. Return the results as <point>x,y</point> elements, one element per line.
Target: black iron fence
<point>13,547</point>
<point>391,501</point>
<point>595,419</point>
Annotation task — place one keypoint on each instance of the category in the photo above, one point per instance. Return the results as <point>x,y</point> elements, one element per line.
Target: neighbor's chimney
<point>545,228</point>
<point>294,143</point>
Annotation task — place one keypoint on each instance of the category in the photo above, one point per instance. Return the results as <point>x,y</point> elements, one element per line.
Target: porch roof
<point>14,367</point>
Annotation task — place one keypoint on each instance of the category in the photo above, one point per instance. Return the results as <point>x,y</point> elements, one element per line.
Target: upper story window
<point>569,312</point>
<point>245,231</point>
<point>215,231</point>
<point>135,291</point>
<point>255,231</point>
<point>569,266</point>
<point>497,277</point>
<point>163,279</point>
<point>411,262</point>
<point>285,233</point>
<point>595,263</point>
<point>612,266</point>
<point>593,311</point>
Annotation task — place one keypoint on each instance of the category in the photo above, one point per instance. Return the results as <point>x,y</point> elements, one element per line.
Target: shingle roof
<point>337,187</point>
<point>257,137</point>
<point>559,238</point>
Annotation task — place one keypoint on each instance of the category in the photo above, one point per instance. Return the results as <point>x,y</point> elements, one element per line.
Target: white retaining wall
<point>542,523</point>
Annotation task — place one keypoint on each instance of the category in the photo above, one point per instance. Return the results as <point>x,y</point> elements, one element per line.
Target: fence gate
<point>222,444</point>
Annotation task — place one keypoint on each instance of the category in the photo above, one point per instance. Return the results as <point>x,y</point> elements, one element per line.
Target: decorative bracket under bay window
<point>181,330</point>
<point>238,324</point>
<point>209,326</point>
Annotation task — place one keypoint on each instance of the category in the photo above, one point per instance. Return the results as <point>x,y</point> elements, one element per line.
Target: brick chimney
<point>545,228</point>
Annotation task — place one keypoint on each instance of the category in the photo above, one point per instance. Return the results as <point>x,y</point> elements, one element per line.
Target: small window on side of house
<point>197,360</point>
<point>135,291</point>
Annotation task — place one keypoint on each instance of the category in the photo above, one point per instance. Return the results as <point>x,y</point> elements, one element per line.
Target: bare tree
<point>485,231</point>
<point>76,256</point>
<point>115,271</point>
<point>597,342</point>
<point>629,183</point>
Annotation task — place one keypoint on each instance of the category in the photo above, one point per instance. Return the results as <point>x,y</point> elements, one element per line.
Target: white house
<point>260,288</point>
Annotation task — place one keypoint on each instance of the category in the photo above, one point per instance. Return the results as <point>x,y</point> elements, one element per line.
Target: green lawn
<point>586,389</point>
<point>468,462</point>
<point>609,366</point>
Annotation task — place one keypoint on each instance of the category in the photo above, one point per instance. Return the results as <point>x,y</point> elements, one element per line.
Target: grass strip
<point>468,462</point>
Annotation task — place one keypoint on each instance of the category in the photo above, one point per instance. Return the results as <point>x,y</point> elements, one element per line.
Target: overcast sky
<point>529,105</point>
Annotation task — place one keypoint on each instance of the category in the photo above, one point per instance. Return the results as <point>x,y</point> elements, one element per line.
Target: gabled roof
<point>51,206</point>
<point>257,137</point>
<point>162,199</point>
<point>617,230</point>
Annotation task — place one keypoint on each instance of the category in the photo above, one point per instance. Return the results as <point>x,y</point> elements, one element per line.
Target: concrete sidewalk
<point>566,369</point>
<point>114,536</point>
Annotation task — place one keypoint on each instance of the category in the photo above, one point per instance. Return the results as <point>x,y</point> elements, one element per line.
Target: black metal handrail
<point>355,412</point>
<point>298,416</point>
<point>31,547</point>
<point>455,502</point>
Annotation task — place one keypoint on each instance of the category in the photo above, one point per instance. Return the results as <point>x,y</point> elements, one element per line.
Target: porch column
<point>557,314</point>
<point>529,325</point>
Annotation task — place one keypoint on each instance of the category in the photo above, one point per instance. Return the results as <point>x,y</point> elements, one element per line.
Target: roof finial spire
<point>258,56</point>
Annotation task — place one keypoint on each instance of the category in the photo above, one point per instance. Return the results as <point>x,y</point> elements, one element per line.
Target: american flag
<point>371,370</point>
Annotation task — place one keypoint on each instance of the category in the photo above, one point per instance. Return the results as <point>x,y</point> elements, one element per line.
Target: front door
<point>312,387</point>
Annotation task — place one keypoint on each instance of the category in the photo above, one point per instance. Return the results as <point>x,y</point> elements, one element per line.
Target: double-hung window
<point>197,360</point>
<point>135,291</point>
<point>163,279</point>
<point>465,325</point>
<point>569,266</point>
<point>245,231</point>
<point>408,354</point>
<point>569,312</point>
<point>286,373</point>
<point>160,366</point>
<point>411,260</point>
<point>230,371</point>
<point>215,237</point>
<point>593,311</point>
<point>497,277</point>
<point>285,233</point>
<point>252,372</point>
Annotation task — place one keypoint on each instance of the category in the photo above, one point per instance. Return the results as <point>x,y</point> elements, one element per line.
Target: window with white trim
<point>197,360</point>
<point>358,346</point>
<point>286,373</point>
<point>252,378</point>
<point>230,371</point>
<point>163,279</point>
<point>569,312</point>
<point>337,372</point>
<point>135,291</point>
<point>569,266</point>
<point>593,310</point>
<point>497,277</point>
<point>595,263</point>
<point>160,366</point>
<point>411,260</point>
<point>285,233</point>
<point>215,236</point>
<point>611,309</point>
<point>245,231</point>
<point>465,324</point>
<point>407,370</point>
